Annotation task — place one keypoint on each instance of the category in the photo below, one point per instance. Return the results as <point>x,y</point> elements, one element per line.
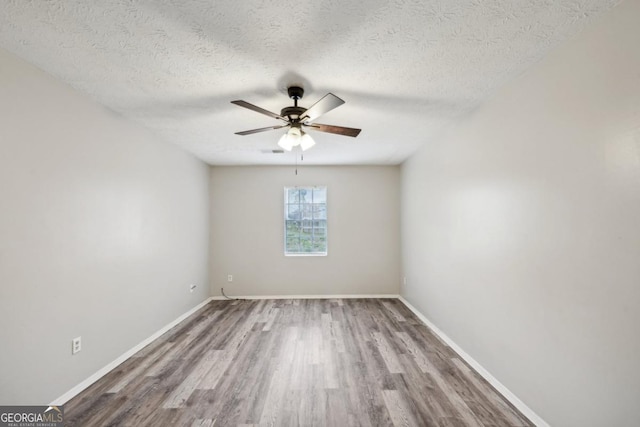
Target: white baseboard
<point>111,366</point>
<point>519,404</point>
<point>392,296</point>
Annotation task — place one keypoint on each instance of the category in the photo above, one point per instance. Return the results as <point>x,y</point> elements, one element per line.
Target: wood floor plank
<point>387,353</point>
<point>400,415</point>
<point>423,396</point>
<point>274,401</point>
<point>273,314</point>
<point>335,362</point>
<point>396,314</point>
<point>179,397</point>
<point>421,360</point>
<point>221,359</point>
<point>329,371</point>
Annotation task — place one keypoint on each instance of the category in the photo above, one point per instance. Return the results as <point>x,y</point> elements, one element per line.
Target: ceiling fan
<point>296,118</point>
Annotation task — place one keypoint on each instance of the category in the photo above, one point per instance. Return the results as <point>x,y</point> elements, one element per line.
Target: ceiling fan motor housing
<point>293,113</point>
<point>295,92</point>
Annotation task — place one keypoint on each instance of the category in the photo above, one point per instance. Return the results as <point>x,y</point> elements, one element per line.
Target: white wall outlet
<point>192,287</point>
<point>76,345</point>
<point>404,280</point>
<point>230,278</point>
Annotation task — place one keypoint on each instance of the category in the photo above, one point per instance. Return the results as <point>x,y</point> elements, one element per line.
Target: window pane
<point>292,234</point>
<point>292,195</point>
<point>319,195</point>
<point>320,211</point>
<point>306,243</point>
<point>305,195</point>
<point>319,246</point>
<point>307,211</point>
<point>293,212</point>
<point>305,220</point>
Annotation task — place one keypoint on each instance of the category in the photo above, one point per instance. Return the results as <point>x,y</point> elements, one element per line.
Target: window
<point>305,220</point>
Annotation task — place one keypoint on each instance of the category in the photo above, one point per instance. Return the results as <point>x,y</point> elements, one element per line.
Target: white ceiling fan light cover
<point>294,138</point>
<point>306,141</point>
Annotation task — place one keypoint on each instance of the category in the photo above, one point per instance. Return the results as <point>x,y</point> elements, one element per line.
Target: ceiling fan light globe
<point>294,132</point>
<point>294,135</point>
<point>285,142</point>
<point>306,142</point>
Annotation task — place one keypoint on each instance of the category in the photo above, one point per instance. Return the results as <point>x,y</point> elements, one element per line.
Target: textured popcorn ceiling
<point>405,68</point>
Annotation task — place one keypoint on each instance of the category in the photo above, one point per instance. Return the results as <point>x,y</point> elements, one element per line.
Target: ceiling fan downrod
<point>295,93</point>
<point>294,113</point>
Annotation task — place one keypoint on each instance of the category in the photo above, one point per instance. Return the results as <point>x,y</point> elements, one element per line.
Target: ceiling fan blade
<point>257,109</point>
<point>326,104</point>
<point>340,130</point>
<point>249,132</point>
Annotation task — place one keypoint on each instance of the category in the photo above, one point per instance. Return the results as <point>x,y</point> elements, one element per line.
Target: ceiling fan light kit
<point>296,137</point>
<point>295,118</point>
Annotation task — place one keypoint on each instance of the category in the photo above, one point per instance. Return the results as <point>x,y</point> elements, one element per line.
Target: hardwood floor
<point>351,362</point>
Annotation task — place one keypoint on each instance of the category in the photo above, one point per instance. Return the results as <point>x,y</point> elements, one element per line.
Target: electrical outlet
<point>76,345</point>
<point>404,280</point>
<point>230,278</point>
<point>192,287</point>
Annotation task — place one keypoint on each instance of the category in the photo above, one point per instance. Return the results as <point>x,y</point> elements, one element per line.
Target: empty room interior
<point>321,213</point>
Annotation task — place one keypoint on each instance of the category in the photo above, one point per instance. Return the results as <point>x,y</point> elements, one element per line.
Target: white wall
<point>102,229</point>
<point>247,238</point>
<point>521,230</point>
